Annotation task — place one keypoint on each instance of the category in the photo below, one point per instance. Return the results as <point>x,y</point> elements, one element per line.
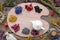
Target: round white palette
<point>25,17</point>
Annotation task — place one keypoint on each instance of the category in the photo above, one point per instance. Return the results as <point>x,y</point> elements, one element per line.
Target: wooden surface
<point>47,18</point>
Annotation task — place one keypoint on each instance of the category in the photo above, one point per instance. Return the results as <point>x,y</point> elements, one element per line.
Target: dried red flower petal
<point>15,27</point>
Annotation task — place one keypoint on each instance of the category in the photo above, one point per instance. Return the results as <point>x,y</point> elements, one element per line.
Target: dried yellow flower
<point>12,18</point>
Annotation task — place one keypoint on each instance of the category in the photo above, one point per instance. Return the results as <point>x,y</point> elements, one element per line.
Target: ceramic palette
<point>24,17</point>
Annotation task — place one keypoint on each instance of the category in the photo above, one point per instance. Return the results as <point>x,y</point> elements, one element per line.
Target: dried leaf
<point>58,21</point>
<point>29,38</point>
<point>53,21</point>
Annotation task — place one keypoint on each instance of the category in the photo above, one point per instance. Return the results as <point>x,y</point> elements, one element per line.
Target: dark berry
<point>34,32</point>
<point>18,10</point>
<point>25,31</point>
<point>52,13</point>
<point>37,9</point>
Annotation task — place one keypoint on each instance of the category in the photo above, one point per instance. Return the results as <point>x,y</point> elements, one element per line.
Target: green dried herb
<point>54,22</point>
<point>50,4</point>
